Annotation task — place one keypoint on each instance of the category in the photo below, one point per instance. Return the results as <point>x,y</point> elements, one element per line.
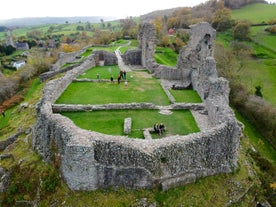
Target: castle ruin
<point>90,160</point>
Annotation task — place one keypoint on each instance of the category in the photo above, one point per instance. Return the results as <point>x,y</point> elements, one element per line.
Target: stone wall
<point>64,58</point>
<point>132,57</point>
<point>91,160</point>
<point>147,42</point>
<point>108,58</point>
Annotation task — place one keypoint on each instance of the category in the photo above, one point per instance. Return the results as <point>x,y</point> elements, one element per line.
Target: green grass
<point>141,88</point>
<point>107,48</point>
<point>257,140</point>
<point>165,56</point>
<point>259,70</point>
<point>224,38</point>
<point>112,121</point>
<point>4,122</point>
<point>7,123</point>
<point>35,84</point>
<point>86,53</point>
<point>186,96</point>
<point>256,13</point>
<point>123,49</point>
<point>105,72</point>
<point>260,73</point>
<point>264,39</point>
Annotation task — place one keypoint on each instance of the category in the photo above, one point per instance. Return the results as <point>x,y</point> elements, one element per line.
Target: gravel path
<point>121,63</point>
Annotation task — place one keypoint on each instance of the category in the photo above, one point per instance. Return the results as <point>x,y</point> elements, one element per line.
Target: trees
<point>129,27</point>
<point>241,30</point>
<point>7,50</point>
<point>221,19</point>
<point>180,19</point>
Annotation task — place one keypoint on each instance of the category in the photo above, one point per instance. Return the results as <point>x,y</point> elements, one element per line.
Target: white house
<point>18,64</point>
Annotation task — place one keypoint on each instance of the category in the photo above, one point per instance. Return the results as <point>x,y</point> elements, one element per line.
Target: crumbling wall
<point>132,57</point>
<point>147,42</point>
<point>190,58</point>
<point>64,58</point>
<point>108,58</point>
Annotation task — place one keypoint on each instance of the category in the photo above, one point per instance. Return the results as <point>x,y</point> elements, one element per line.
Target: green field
<point>255,13</point>
<point>186,96</point>
<point>141,88</point>
<point>260,70</point>
<point>265,39</point>
<point>112,121</point>
<point>59,29</point>
<point>165,56</point>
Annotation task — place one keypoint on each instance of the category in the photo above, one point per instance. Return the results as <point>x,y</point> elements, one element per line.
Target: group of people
<point>159,129</point>
<point>122,75</point>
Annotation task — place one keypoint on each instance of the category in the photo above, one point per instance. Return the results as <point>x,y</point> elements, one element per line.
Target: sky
<point>66,8</point>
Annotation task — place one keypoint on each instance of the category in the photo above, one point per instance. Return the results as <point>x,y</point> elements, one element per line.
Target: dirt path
<point>121,63</point>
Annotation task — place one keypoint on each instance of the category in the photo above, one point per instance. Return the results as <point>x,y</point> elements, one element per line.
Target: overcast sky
<point>64,8</point>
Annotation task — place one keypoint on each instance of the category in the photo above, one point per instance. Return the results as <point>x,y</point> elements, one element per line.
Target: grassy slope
<point>259,71</point>
<point>165,56</point>
<point>256,13</point>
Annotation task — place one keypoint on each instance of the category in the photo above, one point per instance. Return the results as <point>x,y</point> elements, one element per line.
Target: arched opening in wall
<point>101,59</point>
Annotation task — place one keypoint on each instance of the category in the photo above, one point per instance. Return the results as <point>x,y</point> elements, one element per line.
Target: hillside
<point>34,21</point>
<point>256,13</point>
<point>158,13</point>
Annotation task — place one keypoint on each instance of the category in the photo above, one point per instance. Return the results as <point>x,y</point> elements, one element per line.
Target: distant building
<point>21,46</point>
<point>9,39</point>
<point>171,31</point>
<point>18,64</point>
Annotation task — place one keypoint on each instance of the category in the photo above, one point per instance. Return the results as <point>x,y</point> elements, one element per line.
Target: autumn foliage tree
<point>38,62</point>
<point>241,30</point>
<point>221,19</point>
<point>129,27</point>
<point>180,19</point>
<point>70,47</point>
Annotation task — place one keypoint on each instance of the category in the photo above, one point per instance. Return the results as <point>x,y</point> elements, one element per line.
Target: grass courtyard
<point>142,87</point>
<point>112,121</point>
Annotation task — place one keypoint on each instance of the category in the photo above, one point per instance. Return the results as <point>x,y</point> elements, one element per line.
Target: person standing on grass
<point>162,128</point>
<point>156,128</point>
<point>111,79</point>
<point>119,79</point>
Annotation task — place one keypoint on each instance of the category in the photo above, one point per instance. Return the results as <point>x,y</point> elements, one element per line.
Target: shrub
<point>271,29</point>
<point>50,181</point>
<point>267,176</point>
<point>258,91</point>
<point>242,30</point>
